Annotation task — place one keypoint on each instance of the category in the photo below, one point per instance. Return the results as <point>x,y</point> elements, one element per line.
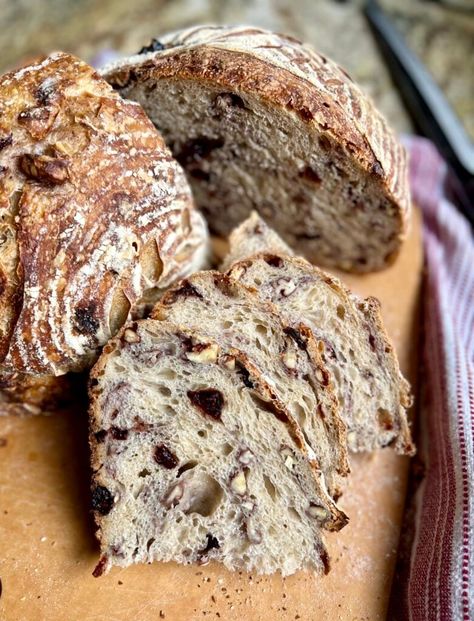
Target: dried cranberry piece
<point>164,457</point>
<point>118,434</point>
<point>102,500</point>
<point>209,401</point>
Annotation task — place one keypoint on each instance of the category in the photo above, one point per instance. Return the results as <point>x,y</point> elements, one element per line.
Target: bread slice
<point>250,237</point>
<point>261,121</point>
<point>372,393</point>
<point>287,357</point>
<point>194,460</point>
<point>95,214</point>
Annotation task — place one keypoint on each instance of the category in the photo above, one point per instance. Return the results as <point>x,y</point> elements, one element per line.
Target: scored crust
<point>94,213</point>
<point>249,73</point>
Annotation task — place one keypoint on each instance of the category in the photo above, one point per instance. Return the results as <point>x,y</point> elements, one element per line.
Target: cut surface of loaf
<point>192,464</point>
<point>261,121</point>
<point>286,356</point>
<point>94,214</point>
<point>372,393</point>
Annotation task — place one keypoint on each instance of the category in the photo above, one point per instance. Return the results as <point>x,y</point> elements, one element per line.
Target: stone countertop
<point>442,36</point>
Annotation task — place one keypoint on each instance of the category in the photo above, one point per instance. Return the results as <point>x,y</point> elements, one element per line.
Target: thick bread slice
<point>94,214</point>
<point>287,357</point>
<point>261,121</point>
<point>372,393</point>
<point>250,237</point>
<point>26,394</point>
<point>192,463</point>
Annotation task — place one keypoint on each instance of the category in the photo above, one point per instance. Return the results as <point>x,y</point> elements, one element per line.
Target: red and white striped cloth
<point>441,574</point>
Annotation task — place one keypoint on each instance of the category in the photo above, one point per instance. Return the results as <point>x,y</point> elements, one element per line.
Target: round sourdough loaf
<point>261,121</point>
<point>95,216</point>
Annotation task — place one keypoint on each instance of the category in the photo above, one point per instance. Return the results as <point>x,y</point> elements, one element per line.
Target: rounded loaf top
<point>94,215</point>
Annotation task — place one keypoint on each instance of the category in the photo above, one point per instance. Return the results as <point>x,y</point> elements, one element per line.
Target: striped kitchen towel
<point>440,583</point>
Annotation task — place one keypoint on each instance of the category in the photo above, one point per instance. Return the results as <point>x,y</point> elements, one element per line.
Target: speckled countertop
<point>442,36</point>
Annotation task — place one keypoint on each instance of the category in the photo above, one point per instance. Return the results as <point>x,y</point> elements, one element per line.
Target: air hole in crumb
<point>189,465</point>
<point>135,246</point>
<point>324,142</point>
<point>149,543</point>
<point>341,311</point>
<point>204,495</point>
<point>144,473</point>
<point>202,433</point>
<point>294,514</point>
<point>270,488</point>
<point>227,449</point>
<point>164,390</point>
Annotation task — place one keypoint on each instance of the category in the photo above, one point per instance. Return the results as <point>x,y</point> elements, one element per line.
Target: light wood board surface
<point>48,551</point>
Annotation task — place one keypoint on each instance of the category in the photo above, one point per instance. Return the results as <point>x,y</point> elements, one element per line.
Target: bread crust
<point>95,211</point>
<point>291,76</point>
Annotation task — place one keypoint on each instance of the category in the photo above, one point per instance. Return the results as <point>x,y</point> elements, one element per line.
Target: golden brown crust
<point>86,183</point>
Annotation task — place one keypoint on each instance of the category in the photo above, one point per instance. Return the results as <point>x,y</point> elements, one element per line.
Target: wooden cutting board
<point>48,552</point>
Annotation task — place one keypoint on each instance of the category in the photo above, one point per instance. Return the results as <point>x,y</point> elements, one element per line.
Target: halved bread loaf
<point>194,460</point>
<point>261,121</point>
<point>372,393</point>
<point>286,355</point>
<point>94,214</point>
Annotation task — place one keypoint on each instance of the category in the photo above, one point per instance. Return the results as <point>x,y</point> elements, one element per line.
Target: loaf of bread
<point>372,393</point>
<point>195,460</point>
<point>286,355</point>
<point>262,121</point>
<point>95,215</point>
